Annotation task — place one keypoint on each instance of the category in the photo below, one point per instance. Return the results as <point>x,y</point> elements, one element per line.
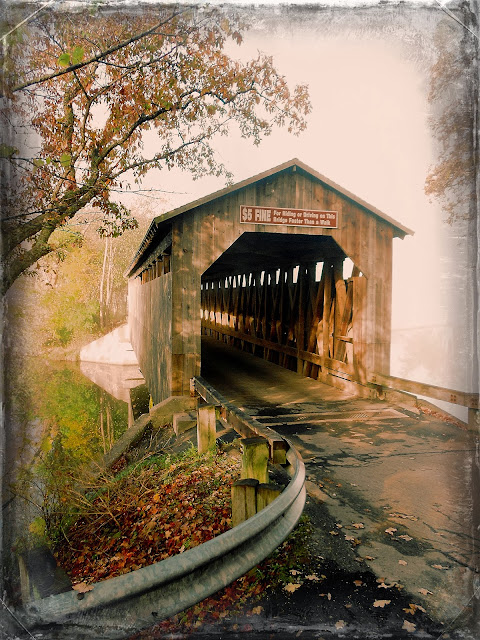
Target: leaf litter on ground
<point>162,507</point>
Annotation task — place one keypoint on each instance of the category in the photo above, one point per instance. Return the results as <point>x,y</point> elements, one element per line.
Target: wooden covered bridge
<point>286,265</point>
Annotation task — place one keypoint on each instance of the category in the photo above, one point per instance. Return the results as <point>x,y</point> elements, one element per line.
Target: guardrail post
<point>206,428</point>
<point>244,500</point>
<point>278,450</point>
<point>255,458</point>
<point>266,493</point>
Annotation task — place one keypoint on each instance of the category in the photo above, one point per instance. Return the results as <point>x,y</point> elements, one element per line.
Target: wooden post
<point>255,458</point>
<point>206,428</point>
<point>278,450</point>
<point>340,300</point>
<point>301,284</point>
<point>327,301</point>
<point>244,501</point>
<point>358,326</point>
<point>266,493</point>
<point>474,419</point>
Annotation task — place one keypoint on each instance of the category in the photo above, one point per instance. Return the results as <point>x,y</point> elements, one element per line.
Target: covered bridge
<point>287,265</point>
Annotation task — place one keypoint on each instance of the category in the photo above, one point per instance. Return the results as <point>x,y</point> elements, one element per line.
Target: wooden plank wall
<point>150,320</point>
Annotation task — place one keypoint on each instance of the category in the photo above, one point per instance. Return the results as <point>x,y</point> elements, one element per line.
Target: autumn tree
<point>83,91</point>
<point>453,97</point>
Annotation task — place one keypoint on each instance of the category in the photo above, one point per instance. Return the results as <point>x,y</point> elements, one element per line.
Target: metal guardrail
<point>122,605</point>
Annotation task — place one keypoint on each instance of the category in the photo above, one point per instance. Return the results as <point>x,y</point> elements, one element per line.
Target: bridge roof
<point>160,221</point>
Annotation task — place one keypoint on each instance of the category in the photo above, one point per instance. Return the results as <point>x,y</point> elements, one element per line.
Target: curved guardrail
<point>128,603</point>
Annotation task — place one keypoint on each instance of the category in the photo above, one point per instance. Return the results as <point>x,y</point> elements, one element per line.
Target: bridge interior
<point>286,298</point>
<point>379,469</point>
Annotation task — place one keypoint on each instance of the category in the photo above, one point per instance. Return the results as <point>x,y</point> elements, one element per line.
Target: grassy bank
<point>146,512</point>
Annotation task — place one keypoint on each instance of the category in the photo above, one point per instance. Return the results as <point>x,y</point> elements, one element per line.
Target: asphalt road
<point>400,485</point>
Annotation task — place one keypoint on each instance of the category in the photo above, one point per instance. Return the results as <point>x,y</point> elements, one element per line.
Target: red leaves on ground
<point>148,517</point>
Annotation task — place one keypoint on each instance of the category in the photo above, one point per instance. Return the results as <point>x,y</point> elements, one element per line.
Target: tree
<point>85,88</point>
<point>454,99</point>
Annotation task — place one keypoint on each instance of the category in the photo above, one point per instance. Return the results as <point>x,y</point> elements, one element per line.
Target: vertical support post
<point>266,493</point>
<point>255,458</point>
<point>301,316</point>
<point>358,323</point>
<point>474,419</point>
<point>244,501</point>
<point>340,299</point>
<point>278,450</point>
<point>206,428</point>
<point>327,302</point>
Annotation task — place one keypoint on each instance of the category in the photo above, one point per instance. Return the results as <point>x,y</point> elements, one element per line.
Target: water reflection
<point>60,419</point>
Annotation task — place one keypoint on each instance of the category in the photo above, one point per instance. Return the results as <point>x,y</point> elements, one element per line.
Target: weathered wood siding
<point>150,320</point>
<point>202,235</point>
<point>166,310</point>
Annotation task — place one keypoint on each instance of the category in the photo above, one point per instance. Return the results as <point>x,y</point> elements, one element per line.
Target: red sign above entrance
<point>290,217</point>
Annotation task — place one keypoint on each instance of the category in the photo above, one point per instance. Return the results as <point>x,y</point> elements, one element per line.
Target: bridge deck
<point>398,481</point>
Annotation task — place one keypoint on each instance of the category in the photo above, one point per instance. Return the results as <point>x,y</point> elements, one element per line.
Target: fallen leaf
<point>404,516</point>
<point>291,587</point>
<point>384,585</point>
<point>256,611</point>
<point>350,538</point>
<point>326,595</point>
<point>358,525</point>
<point>357,583</point>
<point>425,592</point>
<point>407,538</point>
<point>333,533</point>
<point>340,624</point>
<point>294,572</point>
<point>402,562</point>
<point>369,558</point>
<point>381,603</point>
<point>390,531</point>
<point>413,608</point>
<point>338,525</point>
<point>439,566</point>
<point>312,577</point>
<point>82,587</point>
<point>409,626</point>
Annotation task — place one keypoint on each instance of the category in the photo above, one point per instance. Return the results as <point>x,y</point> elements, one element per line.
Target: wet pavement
<point>400,485</point>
